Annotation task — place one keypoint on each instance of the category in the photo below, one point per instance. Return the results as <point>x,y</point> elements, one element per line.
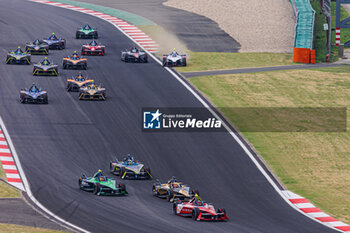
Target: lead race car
<point>54,42</point>
<point>172,190</point>
<point>37,47</point>
<point>45,68</point>
<point>99,184</point>
<point>199,210</point>
<point>174,59</point>
<point>92,92</point>
<point>134,55</point>
<point>33,95</point>
<point>18,57</point>
<point>77,82</point>
<point>93,48</point>
<point>86,32</point>
<point>129,168</point>
<point>74,62</point>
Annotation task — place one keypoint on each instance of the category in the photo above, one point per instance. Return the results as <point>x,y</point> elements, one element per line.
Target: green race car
<point>101,185</point>
<point>86,32</point>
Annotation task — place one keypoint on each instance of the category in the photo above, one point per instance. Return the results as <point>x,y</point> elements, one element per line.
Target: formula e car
<point>92,92</point>
<point>93,48</point>
<point>134,55</point>
<point>33,95</point>
<point>37,47</point>
<point>18,57</point>
<point>199,210</point>
<point>172,190</point>
<point>54,42</point>
<point>75,83</point>
<point>101,185</point>
<point>174,59</point>
<point>129,168</point>
<point>86,32</point>
<point>45,68</point>
<point>74,62</point>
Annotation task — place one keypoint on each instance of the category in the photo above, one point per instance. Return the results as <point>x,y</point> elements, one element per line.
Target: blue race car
<point>33,95</point>
<point>129,168</point>
<point>54,42</point>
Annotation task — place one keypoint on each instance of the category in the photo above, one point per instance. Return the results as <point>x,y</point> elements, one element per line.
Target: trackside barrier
<point>304,31</point>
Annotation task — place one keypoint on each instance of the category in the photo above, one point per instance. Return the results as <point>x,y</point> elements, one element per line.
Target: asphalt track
<point>58,142</point>
<point>199,33</point>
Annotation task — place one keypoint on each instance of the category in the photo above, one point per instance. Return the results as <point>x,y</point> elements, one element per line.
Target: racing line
<point>58,142</point>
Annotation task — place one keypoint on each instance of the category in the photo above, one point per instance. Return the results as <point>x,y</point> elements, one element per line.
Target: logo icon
<point>152,120</point>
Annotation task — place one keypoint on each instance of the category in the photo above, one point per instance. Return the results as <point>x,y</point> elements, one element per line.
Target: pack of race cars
<point>185,200</point>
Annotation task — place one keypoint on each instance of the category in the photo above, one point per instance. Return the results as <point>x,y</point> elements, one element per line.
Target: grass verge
<point>204,61</point>
<point>11,228</point>
<point>312,164</point>
<point>6,191</point>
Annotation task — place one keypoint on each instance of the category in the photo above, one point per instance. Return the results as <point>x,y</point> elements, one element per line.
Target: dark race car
<point>93,48</point>
<point>134,55</point>
<point>18,57</point>
<point>86,32</point>
<point>33,95</point>
<point>130,169</point>
<point>77,82</point>
<point>54,42</point>
<point>37,47</point>
<point>172,190</point>
<point>74,62</point>
<point>45,68</point>
<point>101,185</point>
<point>199,210</point>
<point>174,59</point>
<point>92,92</point>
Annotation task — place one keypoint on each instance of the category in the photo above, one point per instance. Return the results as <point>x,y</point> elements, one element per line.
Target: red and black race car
<point>199,210</point>
<point>93,48</point>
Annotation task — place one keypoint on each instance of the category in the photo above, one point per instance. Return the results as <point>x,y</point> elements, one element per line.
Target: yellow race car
<point>92,92</point>
<point>172,190</point>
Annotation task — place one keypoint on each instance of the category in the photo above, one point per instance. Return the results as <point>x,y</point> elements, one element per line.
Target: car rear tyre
<point>174,208</point>
<point>170,195</point>
<point>195,213</point>
<point>154,191</point>
<point>96,188</point>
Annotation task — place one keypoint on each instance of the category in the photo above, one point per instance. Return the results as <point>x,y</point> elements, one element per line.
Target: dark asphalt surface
<point>58,142</point>
<point>16,211</point>
<point>253,70</point>
<point>199,33</point>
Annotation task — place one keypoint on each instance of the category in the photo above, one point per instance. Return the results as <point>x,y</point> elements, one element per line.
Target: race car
<point>172,190</point>
<point>199,210</point>
<point>33,95</point>
<point>99,184</point>
<point>93,48</point>
<point>134,55</point>
<point>74,62</point>
<point>174,59</point>
<point>37,47</point>
<point>86,32</point>
<point>18,57</point>
<point>54,42</point>
<point>129,168</point>
<point>45,68</point>
<point>92,92</point>
<point>75,83</point>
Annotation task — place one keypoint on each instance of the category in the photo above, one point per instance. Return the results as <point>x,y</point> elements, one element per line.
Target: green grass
<point>203,61</point>
<point>6,191</point>
<point>11,228</point>
<point>312,164</point>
